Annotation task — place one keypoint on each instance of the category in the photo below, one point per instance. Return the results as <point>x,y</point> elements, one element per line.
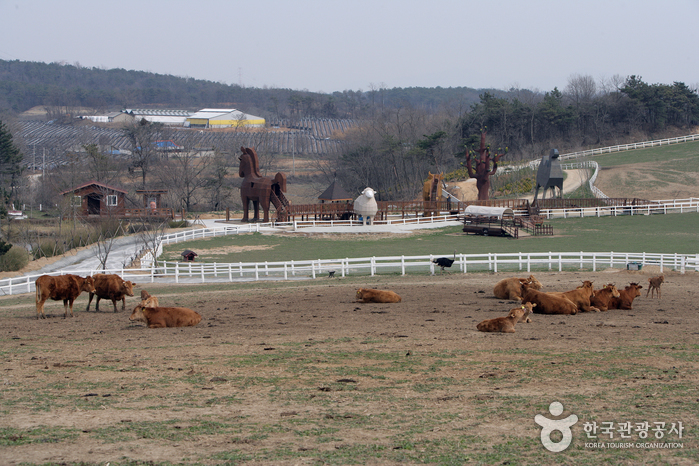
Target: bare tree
<point>143,136</point>
<point>184,174</point>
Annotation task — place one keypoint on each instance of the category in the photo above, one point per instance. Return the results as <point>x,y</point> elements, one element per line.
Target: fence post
<point>594,262</point>
<point>581,260</point>
<point>529,262</point>
<point>313,268</point>
<point>286,277</point>
<point>293,272</point>
<point>495,263</point>
<point>431,265</point>
<point>347,264</point>
<point>520,261</point>
<point>177,272</point>
<point>257,272</point>
<point>373,265</point>
<point>202,273</point>
<point>152,271</point>
<point>230,272</point>
<point>402,265</point>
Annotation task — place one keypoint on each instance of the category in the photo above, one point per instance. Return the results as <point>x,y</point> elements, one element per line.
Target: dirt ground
<point>300,373</point>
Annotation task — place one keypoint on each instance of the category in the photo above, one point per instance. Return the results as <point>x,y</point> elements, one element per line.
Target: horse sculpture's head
<point>248,163</point>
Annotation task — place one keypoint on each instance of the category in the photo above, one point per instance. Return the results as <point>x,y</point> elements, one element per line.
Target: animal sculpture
<point>258,189</point>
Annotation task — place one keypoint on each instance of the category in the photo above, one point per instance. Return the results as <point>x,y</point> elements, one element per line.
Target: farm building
<point>166,117</point>
<point>223,118</point>
<point>95,198</point>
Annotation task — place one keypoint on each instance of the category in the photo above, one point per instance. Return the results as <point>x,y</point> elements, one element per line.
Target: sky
<point>333,45</point>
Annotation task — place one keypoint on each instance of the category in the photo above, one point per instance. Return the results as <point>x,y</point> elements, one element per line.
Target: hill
<point>63,87</point>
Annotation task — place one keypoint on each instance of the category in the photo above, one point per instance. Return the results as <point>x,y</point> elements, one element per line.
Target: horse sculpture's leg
<point>256,206</point>
<point>265,208</point>
<point>246,202</point>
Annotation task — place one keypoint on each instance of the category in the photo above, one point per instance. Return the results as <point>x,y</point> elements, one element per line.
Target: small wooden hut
<point>95,198</point>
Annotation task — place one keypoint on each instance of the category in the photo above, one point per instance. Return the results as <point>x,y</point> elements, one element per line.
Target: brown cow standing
<point>602,297</point>
<point>626,297</point>
<point>365,295</point>
<point>111,287</point>
<point>159,317</point>
<point>63,287</point>
<point>548,304</point>
<point>654,285</point>
<point>511,288</point>
<point>580,296</point>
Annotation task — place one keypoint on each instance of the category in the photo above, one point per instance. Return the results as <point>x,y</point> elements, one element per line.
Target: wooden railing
<point>149,213</point>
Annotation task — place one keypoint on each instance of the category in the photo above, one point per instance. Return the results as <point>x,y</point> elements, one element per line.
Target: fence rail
<point>178,272</point>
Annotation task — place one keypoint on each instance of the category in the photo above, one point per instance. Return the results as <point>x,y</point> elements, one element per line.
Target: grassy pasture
<point>673,233</point>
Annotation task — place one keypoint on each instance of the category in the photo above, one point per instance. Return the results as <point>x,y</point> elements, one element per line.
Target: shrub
<point>13,260</point>
<point>177,224</point>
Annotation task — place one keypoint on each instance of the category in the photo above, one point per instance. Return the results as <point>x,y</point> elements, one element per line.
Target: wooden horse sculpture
<point>257,188</point>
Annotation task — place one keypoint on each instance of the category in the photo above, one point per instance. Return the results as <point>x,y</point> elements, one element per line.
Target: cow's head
<point>633,288</point>
<point>534,283</point>
<point>612,287</point>
<point>522,312</point>
<point>88,285</point>
<point>127,287</point>
<point>137,315</point>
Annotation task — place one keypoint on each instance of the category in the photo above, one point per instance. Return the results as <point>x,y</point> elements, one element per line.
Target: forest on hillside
<point>394,137</point>
<point>62,88</point>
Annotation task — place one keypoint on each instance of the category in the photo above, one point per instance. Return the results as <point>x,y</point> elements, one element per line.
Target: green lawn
<point>673,233</point>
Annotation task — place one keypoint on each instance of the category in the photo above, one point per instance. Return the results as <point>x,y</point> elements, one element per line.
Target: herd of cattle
<point>68,287</point>
<point>525,290</point>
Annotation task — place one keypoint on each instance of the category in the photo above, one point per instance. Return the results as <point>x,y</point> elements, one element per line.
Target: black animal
<point>444,261</point>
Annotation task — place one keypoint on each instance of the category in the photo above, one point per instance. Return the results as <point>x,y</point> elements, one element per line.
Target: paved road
<point>122,250</point>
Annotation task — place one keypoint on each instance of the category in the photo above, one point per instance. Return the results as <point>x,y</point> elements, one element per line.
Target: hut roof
<point>188,252</point>
<point>335,192</point>
<point>95,183</point>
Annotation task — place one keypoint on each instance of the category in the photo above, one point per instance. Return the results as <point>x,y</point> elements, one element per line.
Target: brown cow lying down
<point>148,301</point>
<point>654,285</point>
<point>158,317</point>
<point>507,324</point>
<point>63,287</point>
<point>602,297</point>
<point>365,295</point>
<point>626,297</point>
<point>580,296</point>
<point>113,287</point>
<point>549,304</point>
<point>511,288</point>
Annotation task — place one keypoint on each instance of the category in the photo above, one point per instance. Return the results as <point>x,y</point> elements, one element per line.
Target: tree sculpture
<point>483,172</point>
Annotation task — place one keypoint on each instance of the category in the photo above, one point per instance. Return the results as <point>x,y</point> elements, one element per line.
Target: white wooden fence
<point>178,272</point>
